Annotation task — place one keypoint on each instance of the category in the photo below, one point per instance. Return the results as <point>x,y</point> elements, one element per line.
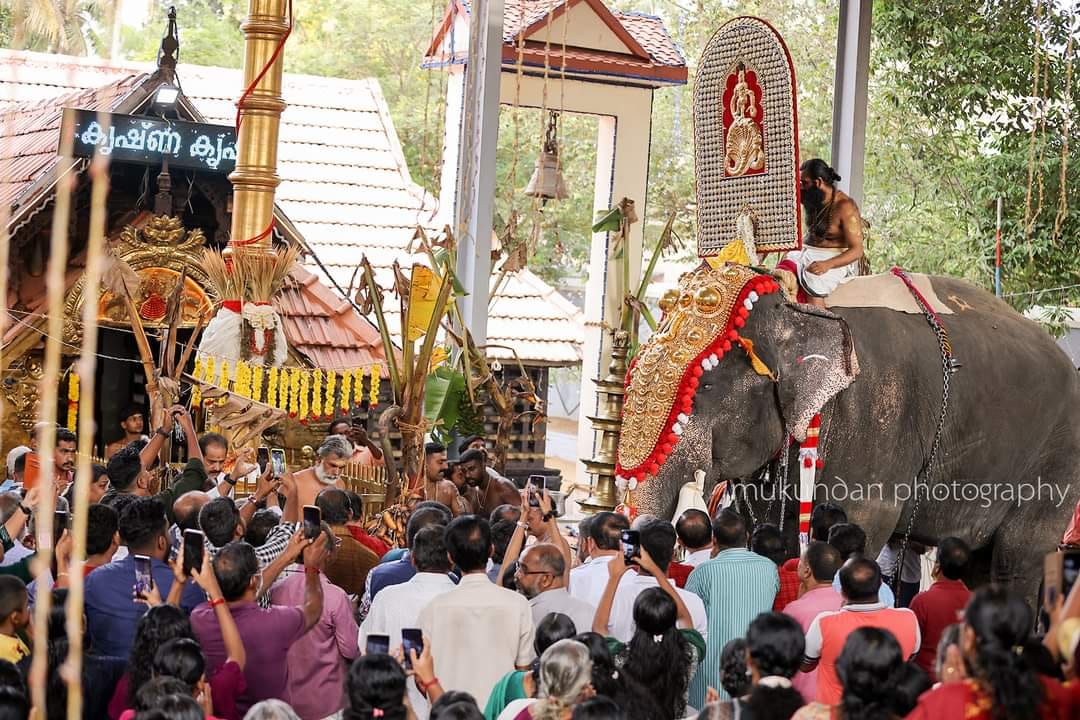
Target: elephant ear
<point>816,361</point>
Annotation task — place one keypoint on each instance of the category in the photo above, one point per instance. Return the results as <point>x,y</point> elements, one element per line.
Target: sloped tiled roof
<point>345,185</point>
<point>652,54</point>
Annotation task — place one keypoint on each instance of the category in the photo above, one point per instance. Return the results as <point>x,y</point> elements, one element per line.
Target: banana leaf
<point>441,257</point>
<point>443,391</point>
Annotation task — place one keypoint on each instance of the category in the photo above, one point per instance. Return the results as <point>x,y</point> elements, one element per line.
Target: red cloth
<point>678,572</point>
<point>938,607</point>
<point>1072,533</point>
<point>789,587</point>
<point>966,700</point>
<point>374,544</point>
<point>791,565</point>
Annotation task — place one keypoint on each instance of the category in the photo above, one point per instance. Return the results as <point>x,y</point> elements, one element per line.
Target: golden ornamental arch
<point>160,251</point>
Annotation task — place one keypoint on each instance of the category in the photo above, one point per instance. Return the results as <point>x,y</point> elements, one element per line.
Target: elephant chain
<point>947,368</point>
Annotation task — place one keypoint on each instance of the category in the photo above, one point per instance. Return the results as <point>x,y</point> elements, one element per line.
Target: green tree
<point>56,26</point>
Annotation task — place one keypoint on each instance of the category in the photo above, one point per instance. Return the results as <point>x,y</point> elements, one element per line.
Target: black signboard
<point>130,138</point>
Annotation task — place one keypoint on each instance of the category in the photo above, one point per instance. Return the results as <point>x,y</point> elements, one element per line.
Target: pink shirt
<point>804,610</point>
<point>316,662</point>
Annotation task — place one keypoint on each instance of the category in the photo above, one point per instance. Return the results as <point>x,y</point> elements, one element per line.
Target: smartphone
<point>631,540</point>
<point>411,639</point>
<point>32,471</point>
<point>262,456</point>
<point>1060,572</point>
<point>536,487</point>
<point>60,523</point>
<point>194,547</point>
<point>377,645</point>
<point>277,461</point>
<point>144,579</point>
<point>312,521</point>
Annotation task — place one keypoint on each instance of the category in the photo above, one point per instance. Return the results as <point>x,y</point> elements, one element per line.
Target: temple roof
<point>346,191</point>
<point>599,41</point>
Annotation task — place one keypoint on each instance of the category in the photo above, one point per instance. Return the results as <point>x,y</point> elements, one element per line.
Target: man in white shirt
<point>587,581</point>
<point>694,530</point>
<point>399,606</point>
<point>478,631</point>
<point>215,450</point>
<point>658,540</point>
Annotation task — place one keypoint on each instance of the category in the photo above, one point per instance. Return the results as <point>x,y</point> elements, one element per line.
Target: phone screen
<point>262,456</point>
<point>194,546</point>
<point>31,471</point>
<point>1070,570</point>
<point>312,521</point>
<point>631,540</point>
<point>411,639</point>
<point>377,645</point>
<point>144,579</point>
<point>277,460</point>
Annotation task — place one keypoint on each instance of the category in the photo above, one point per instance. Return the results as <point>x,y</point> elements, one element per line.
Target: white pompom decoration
<point>753,296</point>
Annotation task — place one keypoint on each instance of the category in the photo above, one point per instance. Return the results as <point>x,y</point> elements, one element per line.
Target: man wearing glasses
<point>540,579</point>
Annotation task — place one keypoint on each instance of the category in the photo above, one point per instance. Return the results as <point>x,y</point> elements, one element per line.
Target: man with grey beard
<point>302,488</point>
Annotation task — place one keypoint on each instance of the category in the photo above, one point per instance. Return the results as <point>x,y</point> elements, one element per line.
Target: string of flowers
<point>373,399</point>
<point>272,387</point>
<point>73,400</point>
<point>346,390</point>
<point>305,383</point>
<point>328,405</point>
<point>258,375</point>
<point>316,394</point>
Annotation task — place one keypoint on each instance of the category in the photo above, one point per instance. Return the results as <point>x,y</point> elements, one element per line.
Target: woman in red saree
<point>1001,683</point>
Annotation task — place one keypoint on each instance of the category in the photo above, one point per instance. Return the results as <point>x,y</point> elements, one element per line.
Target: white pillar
<point>849,94</point>
<point>451,155</point>
<point>475,204</point>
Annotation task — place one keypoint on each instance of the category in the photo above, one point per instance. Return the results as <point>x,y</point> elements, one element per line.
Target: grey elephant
<point>1007,468</point>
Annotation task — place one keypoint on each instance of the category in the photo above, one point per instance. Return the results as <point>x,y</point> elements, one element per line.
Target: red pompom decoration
<point>693,383</point>
<point>739,322</point>
<point>808,462</point>
<point>727,343</point>
<point>304,421</point>
<point>743,312</point>
<point>819,464</point>
<point>652,468</point>
<point>697,371</point>
<point>666,448</point>
<point>732,336</point>
<point>292,415</point>
<point>661,458</point>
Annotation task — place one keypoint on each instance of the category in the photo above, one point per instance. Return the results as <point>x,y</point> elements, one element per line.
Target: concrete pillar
<point>849,94</point>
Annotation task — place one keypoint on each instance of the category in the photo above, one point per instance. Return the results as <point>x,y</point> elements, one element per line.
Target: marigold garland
<point>346,390</point>
<point>197,372</point>
<point>328,404</point>
<point>196,396</point>
<point>73,400</point>
<point>243,379</point>
<point>294,392</point>
<point>223,383</point>
<point>373,399</point>
<point>316,394</point>
<point>305,389</point>
<point>257,378</point>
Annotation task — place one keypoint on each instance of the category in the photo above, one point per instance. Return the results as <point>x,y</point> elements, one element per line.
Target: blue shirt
<point>394,555</point>
<point>884,594</point>
<point>736,586</point>
<point>111,611</point>
<point>394,572</point>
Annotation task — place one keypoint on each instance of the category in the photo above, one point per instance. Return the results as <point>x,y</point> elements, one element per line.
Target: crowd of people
<point>492,609</point>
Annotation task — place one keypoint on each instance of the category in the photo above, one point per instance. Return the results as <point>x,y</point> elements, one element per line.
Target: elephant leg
<point>1017,556</point>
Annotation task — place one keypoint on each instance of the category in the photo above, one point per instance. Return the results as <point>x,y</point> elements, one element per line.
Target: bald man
<point>540,573</point>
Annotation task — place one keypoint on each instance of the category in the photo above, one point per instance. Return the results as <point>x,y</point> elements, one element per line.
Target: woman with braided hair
<point>1003,683</point>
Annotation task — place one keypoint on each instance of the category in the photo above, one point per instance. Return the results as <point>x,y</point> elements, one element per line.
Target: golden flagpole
<point>255,177</point>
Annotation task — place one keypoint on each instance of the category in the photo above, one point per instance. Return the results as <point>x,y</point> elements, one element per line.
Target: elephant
<point>1009,454</point>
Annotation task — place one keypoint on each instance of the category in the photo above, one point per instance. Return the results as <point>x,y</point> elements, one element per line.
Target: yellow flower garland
<point>328,405</point>
<point>358,390</point>
<point>223,383</point>
<point>316,394</point>
<point>294,392</point>
<point>346,390</point>
<point>373,399</point>
<point>257,377</point>
<point>305,397</point>
<point>73,400</point>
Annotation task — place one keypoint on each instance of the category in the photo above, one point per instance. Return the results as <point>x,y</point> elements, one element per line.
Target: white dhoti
<point>820,285</point>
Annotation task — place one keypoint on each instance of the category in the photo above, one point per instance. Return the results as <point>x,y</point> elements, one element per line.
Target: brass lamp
<point>547,180</point>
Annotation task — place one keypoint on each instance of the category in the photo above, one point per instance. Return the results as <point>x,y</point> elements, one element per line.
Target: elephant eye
<point>706,386</point>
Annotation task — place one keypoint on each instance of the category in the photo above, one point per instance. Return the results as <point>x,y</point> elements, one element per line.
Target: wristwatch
<point>27,511</point>
<point>162,432</point>
<point>231,480</point>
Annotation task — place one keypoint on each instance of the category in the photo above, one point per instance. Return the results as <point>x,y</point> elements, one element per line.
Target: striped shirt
<point>736,586</point>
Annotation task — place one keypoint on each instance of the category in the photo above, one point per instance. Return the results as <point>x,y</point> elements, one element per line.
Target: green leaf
<point>443,390</point>
<point>609,221</point>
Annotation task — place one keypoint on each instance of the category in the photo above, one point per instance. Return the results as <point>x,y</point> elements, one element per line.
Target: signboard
<point>146,140</point>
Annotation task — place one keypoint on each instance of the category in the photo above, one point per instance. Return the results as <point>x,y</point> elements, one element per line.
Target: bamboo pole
<point>95,262</point>
<point>5,248</point>
<point>48,393</point>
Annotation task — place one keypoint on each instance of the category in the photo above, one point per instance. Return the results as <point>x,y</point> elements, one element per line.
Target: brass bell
<point>547,181</point>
